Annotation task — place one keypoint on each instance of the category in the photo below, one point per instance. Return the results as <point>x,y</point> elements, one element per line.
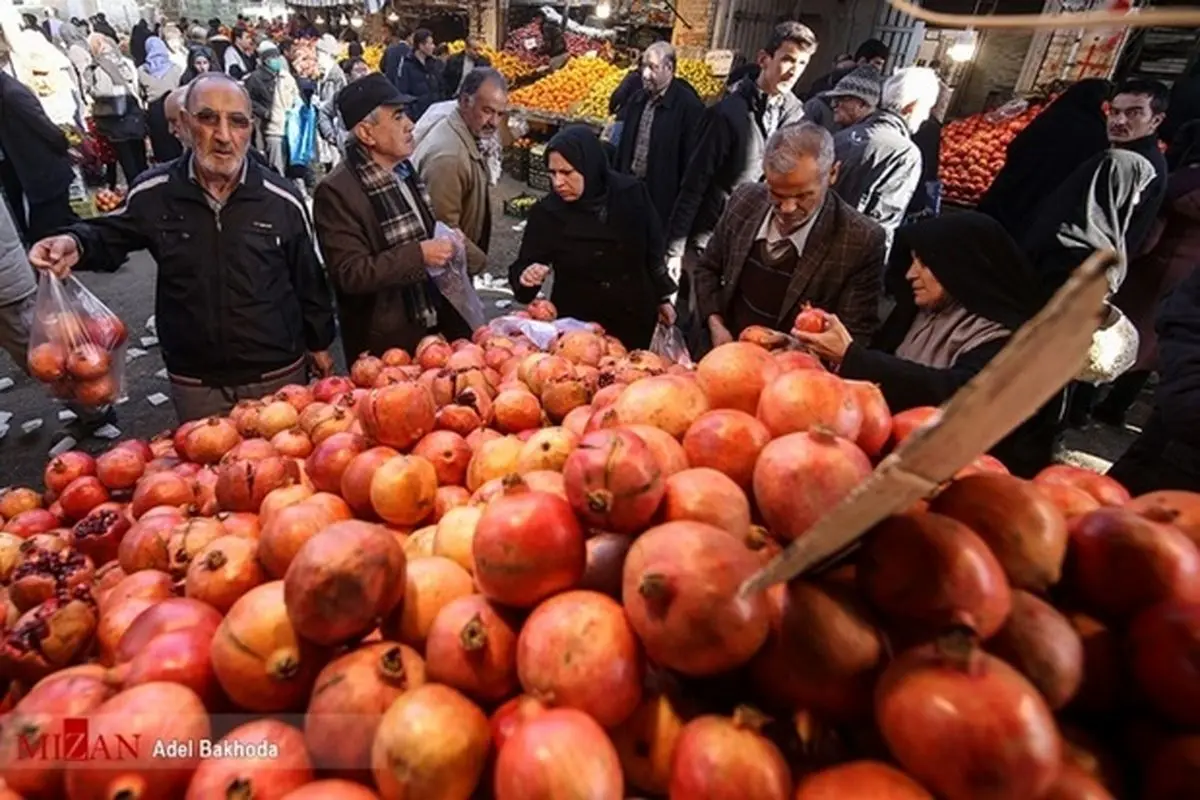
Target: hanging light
<point>356,21</point>
<point>603,9</point>
<point>963,49</point>
<point>320,20</point>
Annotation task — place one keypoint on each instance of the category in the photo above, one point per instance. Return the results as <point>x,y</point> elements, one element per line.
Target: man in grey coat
<point>880,165</point>
<point>18,289</point>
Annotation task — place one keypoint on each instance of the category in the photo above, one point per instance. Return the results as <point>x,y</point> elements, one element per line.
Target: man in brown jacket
<point>454,167</point>
<point>375,226</point>
<point>788,242</point>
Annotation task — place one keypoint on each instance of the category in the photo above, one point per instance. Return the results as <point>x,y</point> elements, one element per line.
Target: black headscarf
<point>137,42</point>
<point>579,145</point>
<point>195,52</point>
<point>975,260</point>
<point>1068,133</point>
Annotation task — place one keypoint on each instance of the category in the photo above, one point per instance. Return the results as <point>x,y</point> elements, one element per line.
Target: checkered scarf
<point>400,223</point>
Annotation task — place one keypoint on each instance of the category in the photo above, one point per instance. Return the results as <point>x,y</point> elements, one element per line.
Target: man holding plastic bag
<point>241,300</point>
<point>399,275</point>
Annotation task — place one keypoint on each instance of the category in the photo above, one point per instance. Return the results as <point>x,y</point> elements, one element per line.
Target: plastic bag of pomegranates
<point>76,344</point>
<point>453,280</point>
<point>668,342</point>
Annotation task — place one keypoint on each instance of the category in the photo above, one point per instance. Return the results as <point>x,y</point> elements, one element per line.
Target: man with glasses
<point>241,300</point>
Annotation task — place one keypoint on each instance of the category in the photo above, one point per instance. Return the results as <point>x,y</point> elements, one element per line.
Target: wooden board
<point>1040,358</point>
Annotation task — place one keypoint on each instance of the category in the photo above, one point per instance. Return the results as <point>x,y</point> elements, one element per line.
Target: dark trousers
<point>11,185</point>
<point>1124,391</point>
<point>131,155</point>
<point>50,216</point>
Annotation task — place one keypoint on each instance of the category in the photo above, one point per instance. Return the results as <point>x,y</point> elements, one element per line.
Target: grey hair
<point>209,77</point>
<point>197,33</point>
<point>663,49</point>
<point>476,78</point>
<point>790,143</point>
<point>910,85</point>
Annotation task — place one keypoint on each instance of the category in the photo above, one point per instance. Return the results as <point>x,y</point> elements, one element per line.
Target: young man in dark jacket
<point>419,75</point>
<point>242,302</point>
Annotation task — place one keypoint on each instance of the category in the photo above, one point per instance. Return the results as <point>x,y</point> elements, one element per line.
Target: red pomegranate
<point>669,402</point>
<point>343,581</point>
<point>966,724</point>
<point>48,362</point>
<point>799,477</point>
<point>527,546</point>
<point>547,449</point>
<point>266,759</point>
<point>88,362</point>
<point>495,458</point>
<point>930,572</point>
<point>133,722</point>
<point>728,441</point>
<point>49,636</point>
<point>805,399</point>
<point>208,441</point>
<point>449,454</point>
<point>398,415</point>
<point>876,428</point>
<point>144,546</point>
<point>287,532</point>
<point>790,360</point>
<point>332,789</point>
<point>402,490</point>
<point>98,535</point>
<point>349,699</point>
<point>705,495</point>
<point>32,522</point>
<point>161,489</point>
<point>356,480</point>
<point>448,497</point>
<point>432,742</point>
<point>165,616</point>
<point>254,449</point>
<point>1165,645</point>
<point>148,584</point>
<point>1072,502</point>
<point>578,649</point>
<point>1041,644</point>
<point>1120,563</point>
<point>14,501</point>
<point>1073,783</point>
<point>472,647</point>
<point>1106,490</point>
<point>330,458</point>
<point>64,469</point>
<point>1170,507</point>
<point>860,780</point>
<point>241,524</point>
<point>1025,531</point>
<point>908,421</point>
<point>81,496</point>
<point>365,370</point>
<point>243,485</point>
<point>293,443</point>
<point>726,758</point>
<point>680,591</point>
<point>96,393</point>
<point>259,660</point>
<point>326,390</point>
<point>823,654</point>
<point>179,656</point>
<point>811,320</point>
<point>1104,670</point>
<point>120,468</point>
<point>735,374</point>
<point>187,539</point>
<point>516,410</point>
<point>431,583</point>
<point>605,562</point>
<point>613,481</point>
<point>558,753</point>
<point>299,396</point>
<point>223,571</point>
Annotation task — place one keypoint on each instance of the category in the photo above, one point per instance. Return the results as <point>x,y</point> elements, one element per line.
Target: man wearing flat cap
<point>853,99</point>
<point>375,224</point>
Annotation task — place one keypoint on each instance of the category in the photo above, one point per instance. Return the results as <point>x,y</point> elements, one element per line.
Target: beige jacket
<point>456,174</point>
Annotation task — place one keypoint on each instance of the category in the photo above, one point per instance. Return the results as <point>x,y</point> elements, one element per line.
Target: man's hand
<point>56,254</point>
<point>322,363</point>
<point>436,252</point>
<point>830,344</point>
<point>666,314</point>
<point>534,275</point>
<point>720,334</point>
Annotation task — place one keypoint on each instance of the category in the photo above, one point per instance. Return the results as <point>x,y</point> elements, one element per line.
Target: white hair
<point>911,86</point>
<point>790,143</point>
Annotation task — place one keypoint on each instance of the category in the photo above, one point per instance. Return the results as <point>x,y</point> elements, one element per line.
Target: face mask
<point>275,63</point>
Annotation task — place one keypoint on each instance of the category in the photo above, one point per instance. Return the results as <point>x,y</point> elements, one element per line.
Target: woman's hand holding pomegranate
<point>534,275</point>
<point>830,344</point>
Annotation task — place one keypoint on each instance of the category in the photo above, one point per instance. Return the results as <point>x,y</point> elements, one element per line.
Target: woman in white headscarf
<point>116,104</point>
<point>333,79</point>
<point>176,46</point>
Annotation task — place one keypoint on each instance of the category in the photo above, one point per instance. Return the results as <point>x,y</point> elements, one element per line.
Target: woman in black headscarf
<point>199,59</point>
<point>1068,133</point>
<point>971,288</point>
<point>598,231</point>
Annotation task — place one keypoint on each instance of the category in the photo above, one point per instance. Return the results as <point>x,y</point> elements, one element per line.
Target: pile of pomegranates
<point>485,570</point>
<point>79,356</point>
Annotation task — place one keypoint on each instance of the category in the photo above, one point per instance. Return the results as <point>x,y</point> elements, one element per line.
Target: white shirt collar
<point>768,233</point>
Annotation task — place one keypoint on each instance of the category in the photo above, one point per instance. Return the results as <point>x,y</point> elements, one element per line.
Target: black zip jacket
<point>239,293</point>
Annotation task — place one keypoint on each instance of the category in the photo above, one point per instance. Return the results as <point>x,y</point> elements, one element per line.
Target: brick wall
<point>698,13</point>
<point>993,73</point>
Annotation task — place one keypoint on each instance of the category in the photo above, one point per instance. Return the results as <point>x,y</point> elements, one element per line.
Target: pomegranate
<point>134,722</point>
<point>494,459</point>
<point>179,656</point>
<point>19,499</point>
<point>646,741</point>
<point>578,649</point>
<point>88,362</point>
<point>432,742</point>
<point>800,476</point>
<point>580,347</point>
<point>356,480</point>
<point>930,572</point>
<point>283,767</point>
<point>735,374</point>
<point>1170,507</point>
<point>1025,531</point>
<point>1103,666</point>
<point>120,468</point>
<point>32,522</point>
<point>705,495</point>
<point>293,443</point>
<point>48,362</point>
<point>1041,644</point>
<point>166,616</point>
<point>209,441</point>
<point>449,453</point>
<point>547,449</point>
<point>725,758</point>
<point>680,591</point>
<point>395,357</point>
<point>241,524</point>
<point>907,422</point>
<point>366,368</point>
<point>64,469</point>
<point>431,583</point>
<point>789,360</point>
<point>511,715</point>
<point>472,647</point>
<point>558,753</point>
<point>144,546</point>
<point>349,699</point>
<point>1105,490</point>
<point>223,571</point>
<point>801,400</point>
<point>342,581</point>
<point>148,584</point>
<point>187,539</point>
<point>243,485</point>
<point>99,392</point>
<point>81,496</point>
<point>49,636</point>
<point>1070,501</point>
<point>259,660</point>
<point>1165,645</point>
<point>605,562</point>
<point>966,724</point>
<point>860,780</point>
<point>527,546</point>
<point>613,481</point>
<point>398,415</point>
<point>254,449</point>
<point>98,535</point>
<point>448,497</point>
<point>669,402</point>
<point>326,390</point>
<point>281,498</point>
<point>577,419</point>
<point>1074,783</point>
<point>823,654</point>
<point>330,458</point>
<point>332,789</point>
<point>728,441</point>
<point>41,574</point>
<point>282,539</point>
<point>1120,563</point>
<point>402,490</point>
<point>299,396</point>
<point>876,428</point>
<point>161,489</point>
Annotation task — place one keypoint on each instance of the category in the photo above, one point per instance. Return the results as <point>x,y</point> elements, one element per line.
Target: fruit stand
<point>509,567</point>
<point>974,148</point>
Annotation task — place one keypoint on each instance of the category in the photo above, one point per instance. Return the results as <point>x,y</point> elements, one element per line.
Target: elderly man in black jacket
<point>242,302</point>
<point>662,126</point>
<point>35,156</point>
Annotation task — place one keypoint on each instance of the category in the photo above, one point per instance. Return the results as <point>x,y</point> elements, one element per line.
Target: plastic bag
<point>542,334</point>
<point>1113,351</point>
<point>668,342</point>
<point>76,344</point>
<point>1013,108</point>
<point>454,282</point>
<point>300,132</point>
